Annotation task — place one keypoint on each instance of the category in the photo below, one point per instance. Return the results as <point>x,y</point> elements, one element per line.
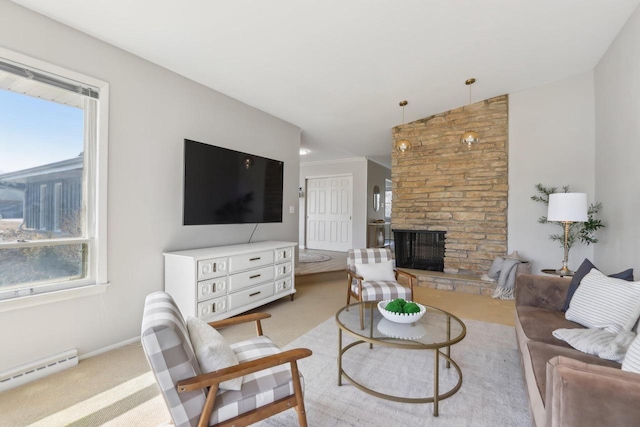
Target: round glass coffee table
<point>437,330</point>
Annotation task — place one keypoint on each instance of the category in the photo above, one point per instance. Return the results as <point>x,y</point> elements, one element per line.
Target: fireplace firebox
<point>420,249</point>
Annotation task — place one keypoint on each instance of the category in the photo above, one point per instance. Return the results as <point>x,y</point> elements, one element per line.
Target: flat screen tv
<point>223,186</point>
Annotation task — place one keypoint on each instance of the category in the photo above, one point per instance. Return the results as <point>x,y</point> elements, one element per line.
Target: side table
<point>554,272</point>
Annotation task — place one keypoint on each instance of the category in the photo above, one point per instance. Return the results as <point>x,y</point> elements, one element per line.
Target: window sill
<point>51,297</point>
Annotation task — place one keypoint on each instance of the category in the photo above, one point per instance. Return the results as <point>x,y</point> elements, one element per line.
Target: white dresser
<point>220,282</point>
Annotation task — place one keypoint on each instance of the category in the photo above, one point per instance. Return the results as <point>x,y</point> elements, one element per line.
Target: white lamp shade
<point>567,207</point>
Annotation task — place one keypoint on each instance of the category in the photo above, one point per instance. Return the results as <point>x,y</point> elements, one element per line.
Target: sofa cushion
<point>605,303</point>
<point>538,324</point>
<point>582,271</point>
<point>379,291</point>
<point>541,353</point>
<point>259,388</point>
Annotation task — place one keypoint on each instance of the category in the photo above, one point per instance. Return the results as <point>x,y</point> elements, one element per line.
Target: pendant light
<point>470,137</point>
<point>403,145</point>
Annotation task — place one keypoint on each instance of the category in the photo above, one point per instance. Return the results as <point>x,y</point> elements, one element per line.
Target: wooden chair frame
<point>213,379</point>
<point>352,275</point>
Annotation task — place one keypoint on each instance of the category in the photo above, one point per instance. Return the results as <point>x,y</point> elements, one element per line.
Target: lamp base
<point>564,271</point>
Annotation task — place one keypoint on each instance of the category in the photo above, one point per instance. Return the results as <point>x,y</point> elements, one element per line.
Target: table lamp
<point>567,208</point>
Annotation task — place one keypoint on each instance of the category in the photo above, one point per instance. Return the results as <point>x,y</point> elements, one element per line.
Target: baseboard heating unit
<point>32,371</point>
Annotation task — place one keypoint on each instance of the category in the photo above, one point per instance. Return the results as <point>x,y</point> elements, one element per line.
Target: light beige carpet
<point>492,393</point>
<point>117,389</point>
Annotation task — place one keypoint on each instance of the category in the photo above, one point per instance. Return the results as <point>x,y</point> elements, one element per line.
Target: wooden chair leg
<point>208,406</point>
<point>348,290</point>
<point>297,388</point>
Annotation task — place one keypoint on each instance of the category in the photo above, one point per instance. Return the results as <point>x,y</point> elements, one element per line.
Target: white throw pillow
<point>631,361</point>
<point>604,302</point>
<point>598,342</point>
<point>212,351</point>
<point>376,272</point>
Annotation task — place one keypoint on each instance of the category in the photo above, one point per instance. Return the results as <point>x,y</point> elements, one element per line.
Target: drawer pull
<point>254,294</point>
<point>255,276</point>
<point>254,259</point>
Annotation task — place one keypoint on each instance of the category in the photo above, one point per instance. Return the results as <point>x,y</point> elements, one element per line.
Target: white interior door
<point>329,213</point>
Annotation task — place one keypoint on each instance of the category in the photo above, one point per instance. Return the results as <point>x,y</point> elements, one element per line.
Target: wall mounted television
<point>223,186</point>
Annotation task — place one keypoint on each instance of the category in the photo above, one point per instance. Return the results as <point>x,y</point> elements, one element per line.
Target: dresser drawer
<point>212,307</point>
<point>249,278</point>
<point>283,254</point>
<point>210,268</point>
<point>284,285</point>
<point>212,288</point>
<point>282,270</point>
<point>247,296</point>
<point>246,261</point>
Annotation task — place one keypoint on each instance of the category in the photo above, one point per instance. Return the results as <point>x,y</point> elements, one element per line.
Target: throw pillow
<point>376,272</point>
<point>631,361</point>
<point>605,303</point>
<point>582,271</point>
<point>598,342</point>
<point>212,351</point>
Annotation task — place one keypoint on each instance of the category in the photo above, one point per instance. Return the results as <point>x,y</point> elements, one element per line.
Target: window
<point>52,178</point>
<point>57,206</point>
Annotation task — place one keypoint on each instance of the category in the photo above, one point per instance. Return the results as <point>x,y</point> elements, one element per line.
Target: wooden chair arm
<point>216,377</point>
<point>354,275</point>
<point>405,273</point>
<point>408,275</point>
<point>253,317</point>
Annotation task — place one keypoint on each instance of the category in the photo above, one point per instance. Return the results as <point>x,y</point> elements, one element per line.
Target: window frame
<point>96,280</point>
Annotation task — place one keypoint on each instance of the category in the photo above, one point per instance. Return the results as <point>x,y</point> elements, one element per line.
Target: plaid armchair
<point>271,381</point>
<point>375,290</point>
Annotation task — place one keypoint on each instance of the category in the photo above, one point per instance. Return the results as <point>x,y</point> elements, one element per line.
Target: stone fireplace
<point>441,185</point>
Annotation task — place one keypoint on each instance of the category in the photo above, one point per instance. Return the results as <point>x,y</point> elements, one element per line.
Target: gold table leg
<point>339,356</point>
<point>448,339</point>
<point>371,325</point>
<point>436,380</point>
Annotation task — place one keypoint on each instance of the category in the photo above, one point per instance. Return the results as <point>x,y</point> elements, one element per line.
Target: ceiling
<point>339,68</point>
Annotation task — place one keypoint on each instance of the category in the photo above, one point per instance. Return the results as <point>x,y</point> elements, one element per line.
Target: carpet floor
<point>492,392</point>
<point>117,389</point>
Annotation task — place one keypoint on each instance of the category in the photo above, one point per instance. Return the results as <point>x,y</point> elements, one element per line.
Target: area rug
<point>309,258</point>
<point>492,393</point>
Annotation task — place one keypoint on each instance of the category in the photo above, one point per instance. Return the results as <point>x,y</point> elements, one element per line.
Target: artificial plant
<point>582,231</point>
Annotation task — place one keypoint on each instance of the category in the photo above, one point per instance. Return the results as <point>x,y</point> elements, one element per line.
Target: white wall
<point>357,167</point>
<point>617,94</point>
<point>151,111</point>
<point>552,142</point>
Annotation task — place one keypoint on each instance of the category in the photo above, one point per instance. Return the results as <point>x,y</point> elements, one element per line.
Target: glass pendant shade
<point>470,137</point>
<point>403,145</point>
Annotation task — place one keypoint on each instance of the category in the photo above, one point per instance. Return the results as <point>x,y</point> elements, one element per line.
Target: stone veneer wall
<point>442,185</point>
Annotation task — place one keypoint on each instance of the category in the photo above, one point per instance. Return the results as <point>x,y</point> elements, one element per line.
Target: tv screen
<point>223,186</point>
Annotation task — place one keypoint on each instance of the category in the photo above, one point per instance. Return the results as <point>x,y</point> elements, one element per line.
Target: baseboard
<point>109,348</point>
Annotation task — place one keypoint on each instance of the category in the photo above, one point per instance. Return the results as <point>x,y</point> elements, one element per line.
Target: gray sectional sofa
<point>565,386</point>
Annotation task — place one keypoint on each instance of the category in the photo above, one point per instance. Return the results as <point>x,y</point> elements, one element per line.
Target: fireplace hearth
<point>420,249</point>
